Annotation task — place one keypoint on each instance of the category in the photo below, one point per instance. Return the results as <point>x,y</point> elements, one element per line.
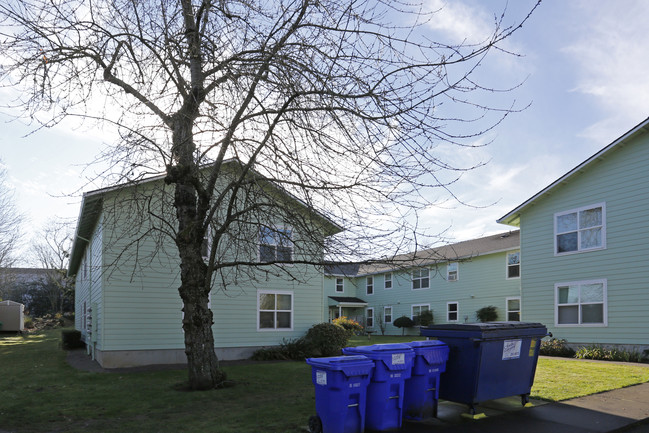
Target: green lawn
<point>40,392</point>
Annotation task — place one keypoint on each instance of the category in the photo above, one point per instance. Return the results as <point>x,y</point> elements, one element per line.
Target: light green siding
<point>620,180</point>
<point>136,274</point>
<point>482,282</point>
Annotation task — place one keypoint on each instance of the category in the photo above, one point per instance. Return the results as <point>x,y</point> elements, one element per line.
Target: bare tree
<point>51,250</point>
<point>9,223</point>
<point>339,104</point>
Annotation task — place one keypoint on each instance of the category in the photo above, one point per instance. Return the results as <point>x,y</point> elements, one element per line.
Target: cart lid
<point>355,365</point>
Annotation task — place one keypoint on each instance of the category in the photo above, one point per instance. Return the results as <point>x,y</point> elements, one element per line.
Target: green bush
<point>28,322</point>
<point>296,350</point>
<point>487,314</point>
<point>71,339</point>
<point>326,339</point>
<point>603,354</point>
<point>403,322</point>
<point>424,319</point>
<point>556,347</point>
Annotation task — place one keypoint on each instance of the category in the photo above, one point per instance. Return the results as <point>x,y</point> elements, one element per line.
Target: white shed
<point>12,316</point>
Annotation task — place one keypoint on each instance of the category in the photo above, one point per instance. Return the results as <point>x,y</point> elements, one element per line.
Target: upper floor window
<point>369,285</point>
<point>340,285</point>
<point>420,278</point>
<point>388,280</point>
<point>581,303</point>
<point>452,272</point>
<point>580,229</point>
<point>514,264</point>
<point>275,244</point>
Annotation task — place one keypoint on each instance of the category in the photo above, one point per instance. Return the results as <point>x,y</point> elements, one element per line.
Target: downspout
<point>92,341</point>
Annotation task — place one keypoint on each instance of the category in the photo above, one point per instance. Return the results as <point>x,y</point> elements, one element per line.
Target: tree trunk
<point>203,365</point>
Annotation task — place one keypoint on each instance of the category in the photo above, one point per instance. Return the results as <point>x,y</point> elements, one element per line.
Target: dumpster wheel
<point>315,424</point>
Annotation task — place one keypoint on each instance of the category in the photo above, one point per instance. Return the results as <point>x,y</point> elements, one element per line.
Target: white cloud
<point>610,52</point>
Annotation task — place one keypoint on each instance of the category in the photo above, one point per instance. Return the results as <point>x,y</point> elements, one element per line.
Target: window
<point>369,287</point>
<point>340,285</point>
<point>581,303</point>
<point>206,246</point>
<point>417,309</point>
<point>420,278</point>
<point>275,310</point>
<point>275,245</point>
<point>388,281</point>
<point>581,229</point>
<point>369,318</point>
<point>452,312</point>
<point>452,271</point>
<point>514,265</point>
<point>387,315</point>
<point>514,309</point>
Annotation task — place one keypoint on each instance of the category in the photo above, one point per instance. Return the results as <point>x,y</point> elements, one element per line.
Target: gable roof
<point>513,217</point>
<point>92,202</point>
<point>500,242</point>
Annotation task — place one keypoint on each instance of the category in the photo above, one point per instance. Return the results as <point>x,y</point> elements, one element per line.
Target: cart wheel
<point>315,424</point>
<point>525,398</point>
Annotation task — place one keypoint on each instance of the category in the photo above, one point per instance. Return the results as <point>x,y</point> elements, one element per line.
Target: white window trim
<point>457,312</point>
<point>412,279</point>
<point>276,292</point>
<point>342,285</point>
<point>581,325</point>
<point>507,277</point>
<point>577,210</point>
<point>457,271</point>
<point>369,282</point>
<point>385,279</point>
<point>276,228</point>
<point>369,312</point>
<point>520,306</point>
<point>391,314</point>
<point>412,309</point>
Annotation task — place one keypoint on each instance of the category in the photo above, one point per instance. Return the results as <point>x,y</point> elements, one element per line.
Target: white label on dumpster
<point>398,358</point>
<point>511,349</point>
<point>321,377</point>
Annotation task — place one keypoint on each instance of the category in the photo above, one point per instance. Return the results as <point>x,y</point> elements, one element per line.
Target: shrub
<point>71,339</point>
<point>326,339</point>
<point>28,322</point>
<point>351,326</point>
<point>556,347</point>
<point>296,350</point>
<point>487,314</point>
<point>424,319</point>
<point>603,354</point>
<point>403,322</point>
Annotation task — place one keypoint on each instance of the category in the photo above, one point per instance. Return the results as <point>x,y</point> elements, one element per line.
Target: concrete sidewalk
<point>621,410</point>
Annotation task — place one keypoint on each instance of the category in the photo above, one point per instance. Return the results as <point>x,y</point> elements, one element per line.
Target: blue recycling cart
<point>421,395</point>
<point>488,361</point>
<point>340,393</point>
<point>385,392</point>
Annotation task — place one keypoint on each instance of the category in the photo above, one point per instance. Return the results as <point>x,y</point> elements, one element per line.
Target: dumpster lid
<point>485,330</point>
<point>489,326</point>
<point>338,362</point>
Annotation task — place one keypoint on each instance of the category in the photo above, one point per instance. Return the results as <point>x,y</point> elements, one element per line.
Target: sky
<point>581,65</point>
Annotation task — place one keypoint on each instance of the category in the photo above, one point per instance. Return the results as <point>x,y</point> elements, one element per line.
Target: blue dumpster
<point>340,393</point>
<point>488,360</point>
<point>392,367</point>
<point>422,389</point>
